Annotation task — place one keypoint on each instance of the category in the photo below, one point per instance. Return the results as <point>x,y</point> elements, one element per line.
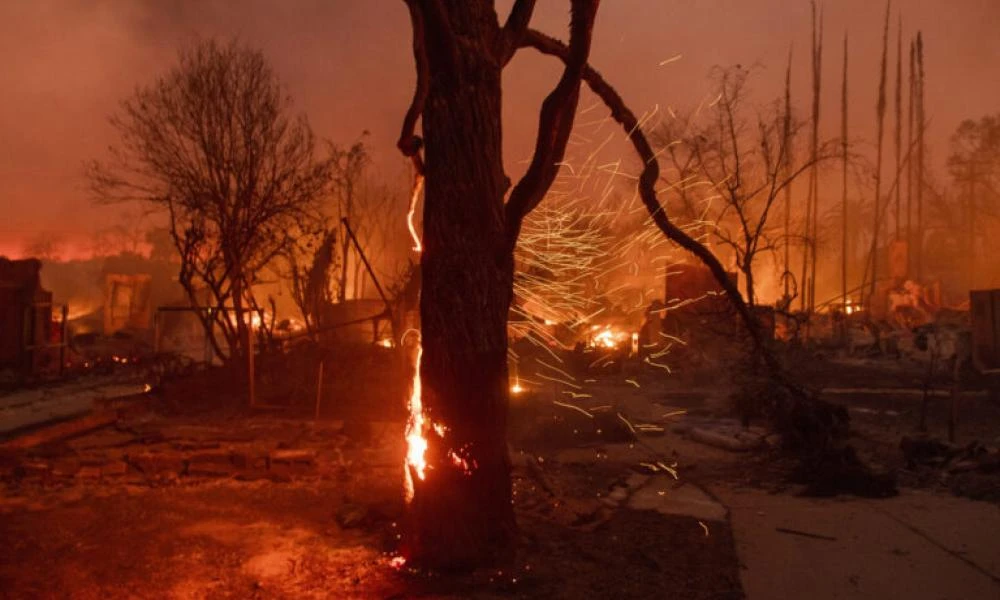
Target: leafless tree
<point>811,232</point>
<point>974,165</point>
<point>735,168</point>
<point>880,122</point>
<point>370,205</point>
<point>349,165</point>
<point>213,143</point>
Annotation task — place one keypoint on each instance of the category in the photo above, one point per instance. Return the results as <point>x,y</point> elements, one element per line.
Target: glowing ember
<point>466,465</point>
<point>397,562</point>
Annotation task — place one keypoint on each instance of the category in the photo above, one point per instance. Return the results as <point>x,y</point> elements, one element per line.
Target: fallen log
<point>61,430</point>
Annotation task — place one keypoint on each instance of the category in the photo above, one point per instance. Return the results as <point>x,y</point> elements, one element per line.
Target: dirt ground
<point>185,508</point>
<point>230,504</point>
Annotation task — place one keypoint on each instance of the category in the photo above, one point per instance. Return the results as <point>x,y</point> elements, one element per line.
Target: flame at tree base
<point>418,428</point>
<point>416,443</point>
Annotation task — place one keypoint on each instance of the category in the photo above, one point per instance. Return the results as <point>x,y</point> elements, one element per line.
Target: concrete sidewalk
<point>916,546</point>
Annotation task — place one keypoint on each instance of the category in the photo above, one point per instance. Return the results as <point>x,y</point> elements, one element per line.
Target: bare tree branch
<point>555,120</point>
<point>514,28</point>
<point>647,184</point>
<point>409,143</point>
<point>212,144</point>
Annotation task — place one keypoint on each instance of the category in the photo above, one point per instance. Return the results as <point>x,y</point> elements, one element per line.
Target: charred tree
<point>348,169</point>
<point>880,125</point>
<point>909,163</point>
<point>786,276</point>
<point>460,512</point>
<point>898,138</point>
<point>921,126</point>
<point>817,74</point>
<point>843,183</point>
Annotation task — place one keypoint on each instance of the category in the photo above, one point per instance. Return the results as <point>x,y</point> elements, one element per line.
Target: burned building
<point>27,334</point>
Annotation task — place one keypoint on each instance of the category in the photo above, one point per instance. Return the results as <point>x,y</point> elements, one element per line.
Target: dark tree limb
<point>513,29</point>
<point>555,121</point>
<point>647,181</point>
<point>808,422</point>
<point>409,142</point>
<point>439,33</point>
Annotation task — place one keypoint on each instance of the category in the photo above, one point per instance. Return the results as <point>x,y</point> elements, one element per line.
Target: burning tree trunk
<point>458,473</point>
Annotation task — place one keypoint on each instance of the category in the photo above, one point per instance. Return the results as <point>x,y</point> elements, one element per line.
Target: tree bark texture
<point>463,517</point>
<point>461,512</point>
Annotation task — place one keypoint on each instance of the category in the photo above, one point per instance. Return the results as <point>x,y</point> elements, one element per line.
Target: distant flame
<point>608,338</point>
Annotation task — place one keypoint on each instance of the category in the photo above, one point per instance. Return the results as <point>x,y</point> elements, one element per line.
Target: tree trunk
<point>345,248</point>
<point>240,346</point>
<point>843,185</point>
<point>463,517</point>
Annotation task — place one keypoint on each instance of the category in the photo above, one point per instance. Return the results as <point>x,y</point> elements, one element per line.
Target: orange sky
<point>347,64</point>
